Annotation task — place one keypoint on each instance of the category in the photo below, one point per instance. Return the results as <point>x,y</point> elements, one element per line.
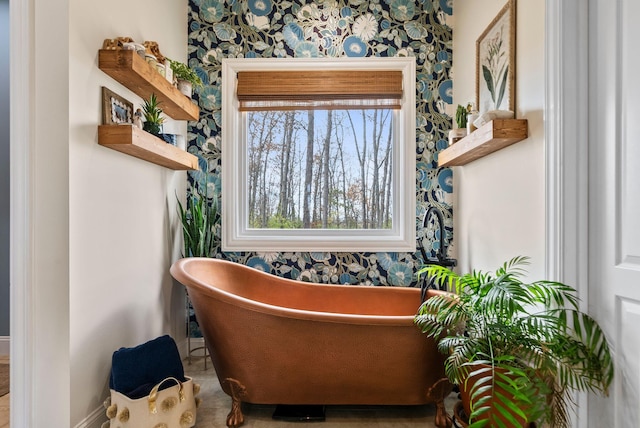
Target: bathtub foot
<point>235,418</point>
<point>438,392</point>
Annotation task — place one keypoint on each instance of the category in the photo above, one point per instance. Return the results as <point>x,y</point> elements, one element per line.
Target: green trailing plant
<point>152,115</point>
<point>529,339</point>
<point>182,71</point>
<point>199,220</point>
<point>461,116</point>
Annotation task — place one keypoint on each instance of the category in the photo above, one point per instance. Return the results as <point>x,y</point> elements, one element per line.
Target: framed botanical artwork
<point>496,62</point>
<point>115,109</point>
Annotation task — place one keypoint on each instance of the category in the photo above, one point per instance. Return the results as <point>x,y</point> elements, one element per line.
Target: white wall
<point>500,204</point>
<point>122,213</point>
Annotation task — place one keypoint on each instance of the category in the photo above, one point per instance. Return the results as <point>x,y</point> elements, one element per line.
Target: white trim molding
<point>566,133</point>
<point>21,142</point>
<point>566,159</point>
<point>5,345</point>
<point>236,233</point>
<point>95,420</point>
<point>39,241</point>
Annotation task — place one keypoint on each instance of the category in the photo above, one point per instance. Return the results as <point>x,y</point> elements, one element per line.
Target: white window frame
<point>237,236</point>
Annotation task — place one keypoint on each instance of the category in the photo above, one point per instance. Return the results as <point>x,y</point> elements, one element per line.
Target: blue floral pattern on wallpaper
<point>330,28</point>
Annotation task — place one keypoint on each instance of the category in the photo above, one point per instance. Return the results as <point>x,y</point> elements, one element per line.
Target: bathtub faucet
<point>441,255</point>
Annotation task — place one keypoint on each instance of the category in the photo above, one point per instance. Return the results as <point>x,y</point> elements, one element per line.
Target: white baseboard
<point>5,346</point>
<point>94,420</point>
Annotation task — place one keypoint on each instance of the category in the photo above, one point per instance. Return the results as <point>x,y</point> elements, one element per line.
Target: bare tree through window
<point>320,169</point>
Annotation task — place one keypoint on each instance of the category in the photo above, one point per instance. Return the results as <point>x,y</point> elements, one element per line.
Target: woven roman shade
<point>319,89</point>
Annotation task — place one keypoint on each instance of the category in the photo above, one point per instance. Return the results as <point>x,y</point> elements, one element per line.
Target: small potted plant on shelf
<point>187,79</point>
<point>152,115</point>
<point>461,120</point>
<point>516,350</point>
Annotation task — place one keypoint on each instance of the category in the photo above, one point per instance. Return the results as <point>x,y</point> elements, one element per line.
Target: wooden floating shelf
<point>490,137</point>
<point>130,69</point>
<point>134,141</point>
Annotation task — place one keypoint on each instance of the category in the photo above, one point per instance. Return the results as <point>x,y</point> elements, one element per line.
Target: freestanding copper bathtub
<point>279,341</point>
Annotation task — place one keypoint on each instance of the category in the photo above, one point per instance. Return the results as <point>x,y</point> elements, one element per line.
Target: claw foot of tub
<point>235,418</point>
<point>438,392</point>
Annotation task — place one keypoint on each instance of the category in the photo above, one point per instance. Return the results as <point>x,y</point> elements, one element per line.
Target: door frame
<point>566,112</point>
<point>566,84</point>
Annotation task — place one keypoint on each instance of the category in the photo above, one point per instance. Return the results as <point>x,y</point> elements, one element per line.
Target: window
<point>318,155</point>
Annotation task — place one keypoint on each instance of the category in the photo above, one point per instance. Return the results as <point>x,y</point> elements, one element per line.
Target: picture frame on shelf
<point>115,109</point>
<point>496,62</point>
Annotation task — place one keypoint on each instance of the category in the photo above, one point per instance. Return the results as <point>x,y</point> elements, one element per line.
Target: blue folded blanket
<point>135,371</point>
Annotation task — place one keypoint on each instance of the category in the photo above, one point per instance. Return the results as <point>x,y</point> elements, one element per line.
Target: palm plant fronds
<point>529,339</point>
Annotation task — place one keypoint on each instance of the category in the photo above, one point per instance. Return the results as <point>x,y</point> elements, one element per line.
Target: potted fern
<point>517,350</point>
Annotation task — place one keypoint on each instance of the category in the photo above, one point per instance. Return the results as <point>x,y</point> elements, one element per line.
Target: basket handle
<point>153,395</point>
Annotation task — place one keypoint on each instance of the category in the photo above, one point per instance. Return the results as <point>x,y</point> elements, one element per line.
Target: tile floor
<point>215,406</point>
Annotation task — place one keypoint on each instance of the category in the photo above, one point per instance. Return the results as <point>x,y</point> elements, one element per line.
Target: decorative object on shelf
<point>496,62</point>
<point>186,77</point>
<point>151,60</point>
<point>160,69</point>
<point>137,118</point>
<point>472,115</point>
<point>169,138</point>
<point>117,43</point>
<point>461,120</point>
<point>528,340</point>
<point>461,116</point>
<point>115,109</point>
<point>124,43</point>
<point>152,115</point>
<point>154,49</point>
<point>487,117</point>
<point>168,71</point>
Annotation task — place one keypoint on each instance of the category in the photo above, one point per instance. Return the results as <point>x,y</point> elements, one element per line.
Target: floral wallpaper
<point>330,28</point>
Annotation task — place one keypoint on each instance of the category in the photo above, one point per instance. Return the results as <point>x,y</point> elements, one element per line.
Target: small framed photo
<point>115,109</point>
<point>496,62</point>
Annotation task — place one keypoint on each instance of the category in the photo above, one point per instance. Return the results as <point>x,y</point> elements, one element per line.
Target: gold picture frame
<point>496,62</point>
<point>115,109</point>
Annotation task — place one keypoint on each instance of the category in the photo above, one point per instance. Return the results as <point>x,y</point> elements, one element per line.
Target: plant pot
<point>465,397</point>
<point>457,134</point>
<point>185,87</point>
<point>152,128</point>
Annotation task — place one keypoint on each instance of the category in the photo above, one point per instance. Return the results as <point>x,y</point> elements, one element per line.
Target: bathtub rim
<point>180,273</point>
